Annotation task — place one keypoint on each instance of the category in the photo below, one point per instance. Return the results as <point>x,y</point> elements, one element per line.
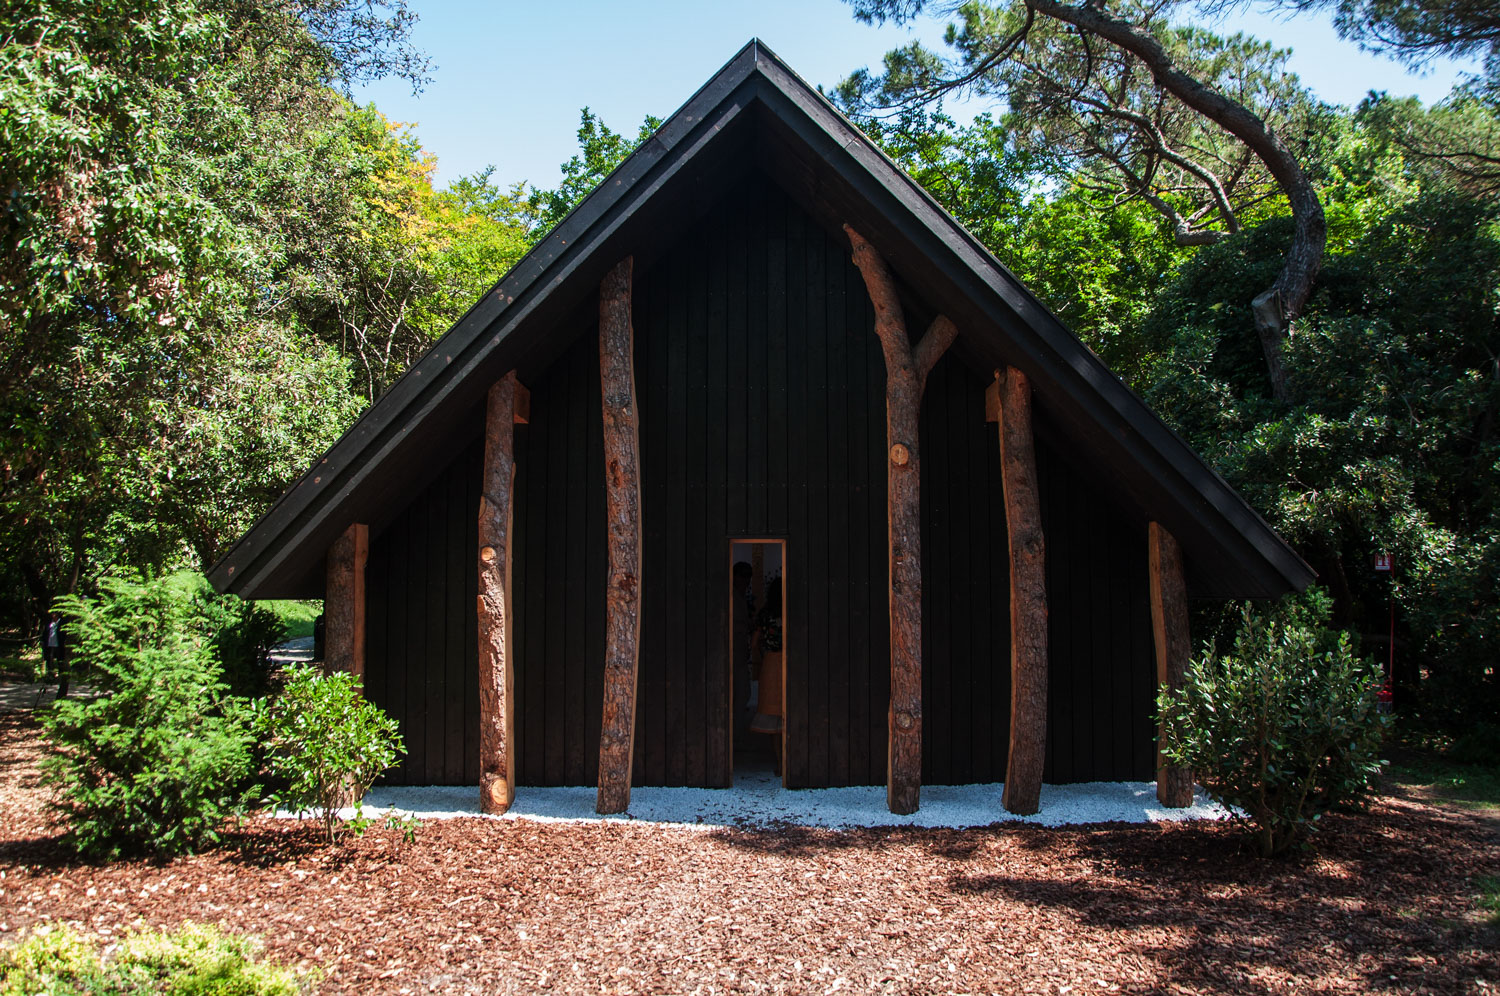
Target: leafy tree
<point>1176,117</point>
<point>599,152</point>
<point>325,742</point>
<point>1456,141</point>
<point>129,280</point>
<point>404,260</point>
<point>199,234</point>
<point>160,758</point>
<point>1392,445</point>
<point>1095,261</point>
<point>1280,728</point>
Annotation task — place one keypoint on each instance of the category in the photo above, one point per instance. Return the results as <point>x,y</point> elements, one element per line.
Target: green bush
<point>324,742</point>
<point>158,760</point>
<point>192,961</point>
<point>242,633</point>
<point>296,617</point>
<point>1281,728</point>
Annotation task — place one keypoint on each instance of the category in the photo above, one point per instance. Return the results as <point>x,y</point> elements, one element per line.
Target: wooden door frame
<point>781,541</point>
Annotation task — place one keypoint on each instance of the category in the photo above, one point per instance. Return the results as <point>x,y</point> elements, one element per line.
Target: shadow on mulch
<point>792,841</point>
<point>1361,890</point>
<point>266,843</point>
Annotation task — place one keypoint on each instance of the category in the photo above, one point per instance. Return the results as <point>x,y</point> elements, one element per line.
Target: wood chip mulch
<point>1387,903</point>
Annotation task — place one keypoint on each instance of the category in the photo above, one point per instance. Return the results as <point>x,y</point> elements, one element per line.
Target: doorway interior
<point>758,663</point>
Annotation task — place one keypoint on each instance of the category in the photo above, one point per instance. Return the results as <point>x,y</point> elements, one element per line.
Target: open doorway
<point>757,608</point>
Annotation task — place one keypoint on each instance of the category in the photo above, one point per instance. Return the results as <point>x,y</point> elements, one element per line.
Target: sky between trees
<point>508,79</point>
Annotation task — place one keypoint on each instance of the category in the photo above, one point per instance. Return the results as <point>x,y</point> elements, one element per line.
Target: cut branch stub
<point>622,486</point>
<point>1028,597</point>
<point>906,376</point>
<point>507,403</point>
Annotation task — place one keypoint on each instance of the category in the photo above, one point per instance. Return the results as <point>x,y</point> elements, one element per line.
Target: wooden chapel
<point>758,328</point>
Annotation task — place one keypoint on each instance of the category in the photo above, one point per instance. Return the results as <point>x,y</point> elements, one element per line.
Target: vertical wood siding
<point>761,390</point>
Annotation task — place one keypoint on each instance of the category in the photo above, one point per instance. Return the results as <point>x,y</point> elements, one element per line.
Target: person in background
<point>55,653</point>
<point>769,708</point>
<point>743,611</point>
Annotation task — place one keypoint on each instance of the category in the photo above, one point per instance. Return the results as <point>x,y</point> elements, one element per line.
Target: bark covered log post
<point>508,404</point>
<point>622,484</point>
<point>906,370</point>
<point>1169,627</point>
<point>1028,597</point>
<point>344,602</point>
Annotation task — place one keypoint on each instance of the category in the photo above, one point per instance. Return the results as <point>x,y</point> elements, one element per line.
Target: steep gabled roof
<point>756,114</point>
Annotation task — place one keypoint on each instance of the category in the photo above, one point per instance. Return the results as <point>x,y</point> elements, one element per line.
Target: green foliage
<point>160,758</point>
<point>203,242</point>
<point>1283,726</point>
<point>599,152</point>
<point>296,616</point>
<point>1455,141</point>
<point>325,742</point>
<point>241,634</point>
<point>1097,264</point>
<point>1085,111</point>
<point>406,260</point>
<point>194,960</point>
<point>1391,445</point>
<point>1489,898</point>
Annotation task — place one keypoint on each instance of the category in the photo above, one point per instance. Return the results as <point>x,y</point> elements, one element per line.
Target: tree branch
<point>939,336</point>
<point>1276,307</point>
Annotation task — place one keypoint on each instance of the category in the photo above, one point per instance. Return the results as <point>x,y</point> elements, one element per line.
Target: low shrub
<point>157,761</point>
<point>242,634</point>
<point>191,961</point>
<point>1281,728</point>
<point>324,742</point>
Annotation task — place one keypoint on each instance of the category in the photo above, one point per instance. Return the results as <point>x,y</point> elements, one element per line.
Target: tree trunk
<point>344,602</point>
<point>1028,598</point>
<point>1276,307</point>
<point>623,502</point>
<point>1169,626</point>
<point>906,372</point>
<point>497,679</point>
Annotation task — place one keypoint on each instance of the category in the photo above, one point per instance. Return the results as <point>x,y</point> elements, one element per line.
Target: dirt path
<point>1387,905</point>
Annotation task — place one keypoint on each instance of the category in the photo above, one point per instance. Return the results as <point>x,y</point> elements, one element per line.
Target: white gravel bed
<point>758,800</point>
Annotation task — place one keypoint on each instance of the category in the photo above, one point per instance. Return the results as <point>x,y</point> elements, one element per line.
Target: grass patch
<point>1489,897</point>
<point>1463,772</point>
<point>194,960</point>
<point>296,616</point>
<point>23,666</point>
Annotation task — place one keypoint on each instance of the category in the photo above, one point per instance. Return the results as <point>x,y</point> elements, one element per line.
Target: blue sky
<point>510,77</point>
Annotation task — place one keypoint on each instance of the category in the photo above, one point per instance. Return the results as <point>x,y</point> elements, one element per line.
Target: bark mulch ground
<point>1387,903</point>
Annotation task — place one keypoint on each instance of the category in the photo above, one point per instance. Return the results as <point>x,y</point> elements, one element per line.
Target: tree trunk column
<point>344,602</point>
<point>1169,627</point>
<point>622,486</point>
<point>904,569</point>
<point>906,369</point>
<point>1028,596</point>
<point>507,405</point>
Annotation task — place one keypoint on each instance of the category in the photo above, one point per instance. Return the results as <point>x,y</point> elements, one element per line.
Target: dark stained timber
<point>823,378</point>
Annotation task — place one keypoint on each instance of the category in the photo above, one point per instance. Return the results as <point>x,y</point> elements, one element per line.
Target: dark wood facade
<point>761,392</point>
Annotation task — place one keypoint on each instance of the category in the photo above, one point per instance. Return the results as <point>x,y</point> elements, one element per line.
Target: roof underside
<point>755,114</point>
